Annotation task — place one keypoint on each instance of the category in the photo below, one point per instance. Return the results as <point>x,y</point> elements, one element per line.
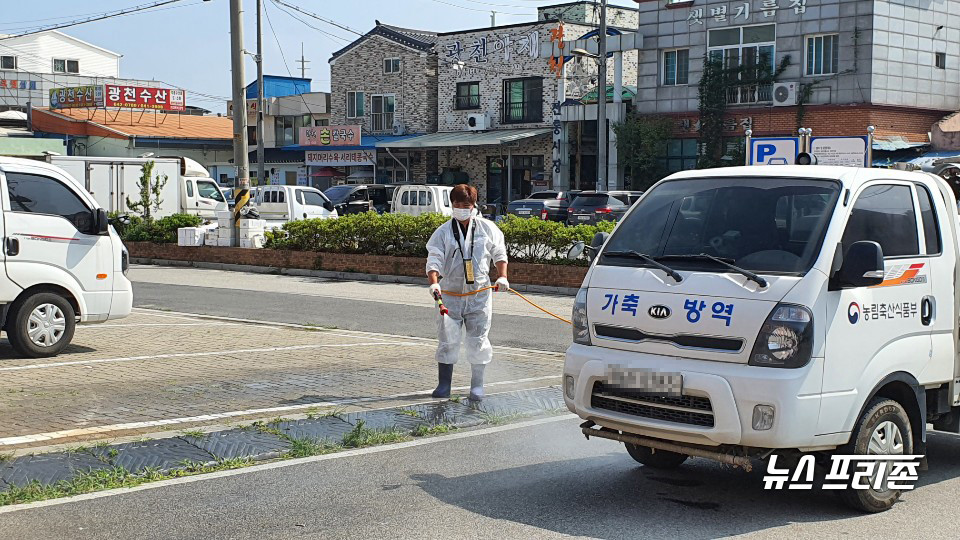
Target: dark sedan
<point>546,205</point>
<point>592,207</point>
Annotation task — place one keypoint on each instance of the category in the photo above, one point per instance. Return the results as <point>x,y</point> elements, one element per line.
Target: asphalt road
<point>540,481</point>
<point>359,313</point>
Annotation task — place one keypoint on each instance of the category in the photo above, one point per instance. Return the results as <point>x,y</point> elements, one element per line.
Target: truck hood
<point>708,316</point>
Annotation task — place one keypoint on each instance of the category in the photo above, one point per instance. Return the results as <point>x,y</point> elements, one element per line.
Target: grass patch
<point>5,457</point>
<point>424,430</point>
<point>456,399</point>
<point>410,412</point>
<point>361,436</point>
<point>310,447</point>
<point>195,433</point>
<point>498,419</point>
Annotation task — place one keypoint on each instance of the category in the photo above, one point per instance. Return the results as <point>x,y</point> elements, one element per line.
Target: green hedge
<point>160,231</point>
<point>528,239</point>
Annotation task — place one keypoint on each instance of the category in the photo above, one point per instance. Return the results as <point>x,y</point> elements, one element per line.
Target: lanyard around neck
<point>456,234</point>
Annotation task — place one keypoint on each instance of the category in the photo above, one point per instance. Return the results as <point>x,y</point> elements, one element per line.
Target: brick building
<point>386,82</point>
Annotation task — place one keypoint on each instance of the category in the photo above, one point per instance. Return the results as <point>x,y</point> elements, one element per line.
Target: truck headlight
<point>581,328</point>
<point>785,339</point>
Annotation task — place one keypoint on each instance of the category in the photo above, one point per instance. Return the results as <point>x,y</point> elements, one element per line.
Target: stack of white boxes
<point>251,233</point>
<point>224,229</point>
<point>190,236</point>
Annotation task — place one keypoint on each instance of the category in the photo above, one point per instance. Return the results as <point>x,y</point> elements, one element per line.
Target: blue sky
<point>188,43</point>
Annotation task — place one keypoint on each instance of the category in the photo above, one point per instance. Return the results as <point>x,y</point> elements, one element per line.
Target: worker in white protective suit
<point>459,255</point>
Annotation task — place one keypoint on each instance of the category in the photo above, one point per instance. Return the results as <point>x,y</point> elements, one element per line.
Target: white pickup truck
<point>742,312</point>
<point>63,262</point>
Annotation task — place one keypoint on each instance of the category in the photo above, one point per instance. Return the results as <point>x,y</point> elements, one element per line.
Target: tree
<point>641,145</point>
<point>150,191</point>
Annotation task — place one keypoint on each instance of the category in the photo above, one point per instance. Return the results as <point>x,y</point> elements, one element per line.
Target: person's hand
<point>434,290</point>
<point>503,285</point>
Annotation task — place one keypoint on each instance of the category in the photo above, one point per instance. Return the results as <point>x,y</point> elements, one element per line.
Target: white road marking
<point>208,353</point>
<point>339,332</point>
<point>287,463</point>
<point>131,325</point>
<point>40,437</point>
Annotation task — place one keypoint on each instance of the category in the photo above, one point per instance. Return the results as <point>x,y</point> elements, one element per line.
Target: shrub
<point>528,239</point>
<point>160,231</point>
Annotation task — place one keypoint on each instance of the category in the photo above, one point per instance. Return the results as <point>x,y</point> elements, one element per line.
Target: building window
<point>252,135</point>
<point>823,54</point>
<point>382,109</point>
<point>941,60</point>
<point>468,95</point>
<point>354,104</point>
<point>287,129</point>
<point>676,67</point>
<point>681,155</point>
<point>391,65</point>
<point>322,122</point>
<point>752,50</point>
<point>8,62</point>
<point>66,66</point>
<point>523,100</point>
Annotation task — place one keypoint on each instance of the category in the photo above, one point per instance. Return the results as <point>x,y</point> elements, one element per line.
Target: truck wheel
<point>884,429</point>
<point>41,326</point>
<point>658,459</point>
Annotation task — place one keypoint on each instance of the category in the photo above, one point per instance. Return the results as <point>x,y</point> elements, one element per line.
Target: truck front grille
<point>690,410</point>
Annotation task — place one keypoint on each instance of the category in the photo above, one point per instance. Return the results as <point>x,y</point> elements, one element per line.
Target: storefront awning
<point>465,138</point>
<point>369,142</point>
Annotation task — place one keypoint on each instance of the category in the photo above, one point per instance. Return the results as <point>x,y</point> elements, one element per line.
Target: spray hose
<point>478,291</point>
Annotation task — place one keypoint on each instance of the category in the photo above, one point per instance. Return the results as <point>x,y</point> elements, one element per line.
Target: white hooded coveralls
<point>471,313</point>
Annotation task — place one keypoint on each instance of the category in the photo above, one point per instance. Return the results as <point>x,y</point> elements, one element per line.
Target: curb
<point>260,442</point>
<point>326,274</point>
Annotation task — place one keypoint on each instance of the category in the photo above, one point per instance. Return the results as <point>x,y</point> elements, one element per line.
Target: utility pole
<point>242,190</point>
<point>260,100</point>
<point>303,63</point>
<point>493,18</point>
<point>602,100</point>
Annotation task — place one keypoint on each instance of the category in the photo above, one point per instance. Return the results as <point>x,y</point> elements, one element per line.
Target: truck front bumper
<point>733,390</point>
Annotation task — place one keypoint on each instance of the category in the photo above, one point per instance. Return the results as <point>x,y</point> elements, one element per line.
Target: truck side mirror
<point>596,244</point>
<point>575,251</point>
<point>101,221</point>
<point>328,205</point>
<point>862,267</point>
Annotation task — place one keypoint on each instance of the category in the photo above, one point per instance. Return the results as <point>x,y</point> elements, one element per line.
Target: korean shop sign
<point>335,158</point>
<point>142,97</point>
<point>744,11</point>
<point>330,136</point>
<point>76,97</point>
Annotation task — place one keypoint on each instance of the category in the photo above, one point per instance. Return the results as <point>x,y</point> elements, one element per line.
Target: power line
<point>282,56</point>
<point>483,10</point>
<point>100,17</point>
<point>318,17</point>
<point>147,10</point>
<point>322,32</point>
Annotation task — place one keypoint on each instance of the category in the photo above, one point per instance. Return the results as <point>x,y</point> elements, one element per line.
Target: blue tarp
<point>368,143</point>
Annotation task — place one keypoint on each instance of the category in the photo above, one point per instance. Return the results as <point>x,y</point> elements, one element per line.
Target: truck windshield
<point>761,224</point>
<point>339,194</point>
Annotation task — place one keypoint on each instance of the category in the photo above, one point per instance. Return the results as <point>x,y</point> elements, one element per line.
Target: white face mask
<point>462,214</point>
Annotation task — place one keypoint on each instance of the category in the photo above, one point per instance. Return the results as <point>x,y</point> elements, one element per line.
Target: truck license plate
<point>645,381</point>
<point>583,218</point>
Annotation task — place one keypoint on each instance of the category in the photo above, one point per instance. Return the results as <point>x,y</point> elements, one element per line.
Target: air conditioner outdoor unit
<point>478,122</point>
<point>399,128</point>
<point>785,94</point>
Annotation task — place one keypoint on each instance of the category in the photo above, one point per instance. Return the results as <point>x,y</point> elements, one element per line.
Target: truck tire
<point>657,459</point>
<point>883,429</point>
<point>41,325</point>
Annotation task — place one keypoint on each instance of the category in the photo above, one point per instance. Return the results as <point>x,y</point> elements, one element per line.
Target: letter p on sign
<point>774,151</point>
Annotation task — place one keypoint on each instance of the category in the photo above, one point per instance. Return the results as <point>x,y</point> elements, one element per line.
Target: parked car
<point>592,207</point>
<point>546,205</point>
<point>360,198</point>
<point>422,199</point>
<point>280,204</point>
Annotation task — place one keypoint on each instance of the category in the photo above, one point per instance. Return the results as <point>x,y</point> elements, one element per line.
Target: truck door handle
<point>11,246</point>
<point>926,311</point>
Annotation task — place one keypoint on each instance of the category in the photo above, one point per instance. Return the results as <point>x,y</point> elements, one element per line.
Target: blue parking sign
<point>773,151</point>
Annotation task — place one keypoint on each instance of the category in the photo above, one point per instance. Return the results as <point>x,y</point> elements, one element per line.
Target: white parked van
<point>113,180</point>
<point>418,199</point>
<point>280,204</point>
<point>742,312</point>
<point>64,263</point>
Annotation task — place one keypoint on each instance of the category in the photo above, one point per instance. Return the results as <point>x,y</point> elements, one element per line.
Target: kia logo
<point>659,312</point>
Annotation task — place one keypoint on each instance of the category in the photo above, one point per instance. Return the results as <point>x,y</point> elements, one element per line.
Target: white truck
<point>280,204</point>
<point>112,180</point>
<point>64,264</point>
<point>743,312</point>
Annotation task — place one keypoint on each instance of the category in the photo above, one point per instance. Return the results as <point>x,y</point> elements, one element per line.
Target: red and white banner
<point>334,158</point>
<point>142,97</point>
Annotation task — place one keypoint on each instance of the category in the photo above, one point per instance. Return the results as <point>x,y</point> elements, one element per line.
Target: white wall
<point>35,53</point>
